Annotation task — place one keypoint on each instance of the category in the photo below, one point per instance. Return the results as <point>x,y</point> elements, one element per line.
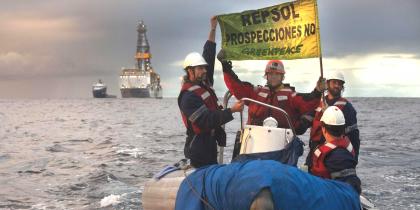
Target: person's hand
<point>226,64</point>
<point>221,55</point>
<point>321,84</point>
<point>213,22</point>
<point>237,107</point>
<point>306,120</point>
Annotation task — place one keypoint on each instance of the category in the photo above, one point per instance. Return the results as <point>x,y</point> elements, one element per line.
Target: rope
<point>246,138</point>
<point>196,193</point>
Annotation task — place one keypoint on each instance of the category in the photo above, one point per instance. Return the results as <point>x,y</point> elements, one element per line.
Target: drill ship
<point>141,81</point>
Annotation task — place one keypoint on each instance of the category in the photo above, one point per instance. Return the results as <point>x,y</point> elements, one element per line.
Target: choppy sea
<point>97,153</point>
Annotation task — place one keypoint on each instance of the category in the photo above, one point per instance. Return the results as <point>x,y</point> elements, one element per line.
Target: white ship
<point>99,90</point>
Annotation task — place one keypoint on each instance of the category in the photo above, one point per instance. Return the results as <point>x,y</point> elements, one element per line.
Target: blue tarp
<point>234,186</point>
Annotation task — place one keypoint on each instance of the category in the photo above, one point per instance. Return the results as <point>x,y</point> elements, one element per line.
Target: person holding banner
<point>274,93</point>
<point>335,87</point>
<point>198,103</point>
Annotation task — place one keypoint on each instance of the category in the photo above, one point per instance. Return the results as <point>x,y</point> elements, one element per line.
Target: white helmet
<point>337,75</point>
<point>270,122</point>
<point>333,116</point>
<point>194,59</point>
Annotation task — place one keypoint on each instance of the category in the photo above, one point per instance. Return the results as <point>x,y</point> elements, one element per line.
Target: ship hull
<point>100,93</point>
<point>135,93</point>
<point>156,92</point>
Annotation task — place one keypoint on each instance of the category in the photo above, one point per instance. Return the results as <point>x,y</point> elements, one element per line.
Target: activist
<point>274,93</point>
<point>335,159</point>
<point>198,103</point>
<point>335,87</point>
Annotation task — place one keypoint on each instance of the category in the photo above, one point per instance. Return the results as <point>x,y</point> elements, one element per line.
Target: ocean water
<point>97,153</point>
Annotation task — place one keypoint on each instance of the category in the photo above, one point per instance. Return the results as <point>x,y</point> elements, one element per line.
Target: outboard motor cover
<point>259,139</point>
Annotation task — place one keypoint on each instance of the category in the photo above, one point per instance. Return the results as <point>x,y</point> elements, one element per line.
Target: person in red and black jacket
<point>335,86</point>
<point>201,112</point>
<point>335,158</point>
<point>274,93</point>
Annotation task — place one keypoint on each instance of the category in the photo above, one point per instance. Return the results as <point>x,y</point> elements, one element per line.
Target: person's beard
<point>335,92</point>
<point>201,78</point>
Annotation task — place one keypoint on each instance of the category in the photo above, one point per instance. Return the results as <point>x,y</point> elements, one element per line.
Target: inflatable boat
<point>263,176</point>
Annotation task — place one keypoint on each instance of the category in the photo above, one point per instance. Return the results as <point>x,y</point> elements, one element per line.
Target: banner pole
<point>320,65</point>
<point>319,46</point>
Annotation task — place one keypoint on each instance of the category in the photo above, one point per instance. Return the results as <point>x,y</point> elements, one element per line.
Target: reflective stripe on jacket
<point>318,166</point>
<point>316,132</point>
<point>281,98</point>
<point>210,102</point>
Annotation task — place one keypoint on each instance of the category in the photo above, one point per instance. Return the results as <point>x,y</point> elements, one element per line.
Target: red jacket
<point>316,132</point>
<point>283,97</point>
<point>318,166</point>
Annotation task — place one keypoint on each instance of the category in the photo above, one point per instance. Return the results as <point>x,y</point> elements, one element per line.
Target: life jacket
<point>318,166</point>
<point>209,98</point>
<point>316,132</point>
<point>280,98</point>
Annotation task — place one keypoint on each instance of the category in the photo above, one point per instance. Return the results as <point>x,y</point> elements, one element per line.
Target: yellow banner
<point>285,31</point>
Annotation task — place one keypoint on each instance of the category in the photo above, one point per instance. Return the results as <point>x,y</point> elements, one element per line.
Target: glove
<point>221,56</point>
<point>321,85</point>
<point>226,65</point>
<point>306,120</point>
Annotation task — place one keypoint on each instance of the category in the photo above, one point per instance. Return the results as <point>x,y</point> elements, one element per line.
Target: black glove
<point>221,55</point>
<point>306,120</point>
<point>226,64</point>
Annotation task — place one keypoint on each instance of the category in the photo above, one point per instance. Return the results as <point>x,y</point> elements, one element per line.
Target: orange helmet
<point>275,66</point>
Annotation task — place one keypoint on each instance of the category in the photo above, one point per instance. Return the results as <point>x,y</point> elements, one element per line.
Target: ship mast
<point>143,49</point>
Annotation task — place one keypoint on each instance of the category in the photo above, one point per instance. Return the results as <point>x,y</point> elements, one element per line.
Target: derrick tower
<point>141,81</point>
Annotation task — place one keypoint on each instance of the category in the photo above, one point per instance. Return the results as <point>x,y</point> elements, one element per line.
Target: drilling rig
<point>141,81</point>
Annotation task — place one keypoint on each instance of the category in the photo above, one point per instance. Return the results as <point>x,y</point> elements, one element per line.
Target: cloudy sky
<point>58,49</point>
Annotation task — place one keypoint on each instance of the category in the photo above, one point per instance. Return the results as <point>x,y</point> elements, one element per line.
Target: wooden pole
<point>319,46</point>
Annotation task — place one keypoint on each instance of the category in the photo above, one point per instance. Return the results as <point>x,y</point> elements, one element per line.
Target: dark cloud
<point>100,36</point>
<point>363,27</point>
